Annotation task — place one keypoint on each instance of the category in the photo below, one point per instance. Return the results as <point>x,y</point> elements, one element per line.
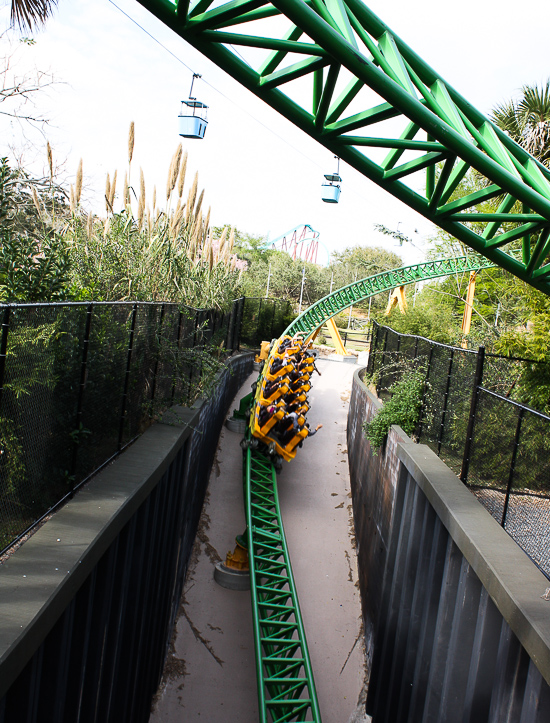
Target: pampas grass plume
<point>78,189</point>
<point>199,204</point>
<point>107,192</point>
<point>193,195</point>
<point>125,192</point>
<point>36,201</point>
<point>142,187</point>
<point>131,139</point>
<point>207,219</point>
<point>173,171</point>
<point>50,159</point>
<point>113,189</point>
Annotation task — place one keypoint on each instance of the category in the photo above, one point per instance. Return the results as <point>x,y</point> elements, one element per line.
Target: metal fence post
<point>230,338</point>
<point>82,385</point>
<point>257,339</point>
<point>472,418</point>
<point>445,402</point>
<point>384,347</point>
<point>273,318</point>
<point>178,339</point>
<point>127,375</point>
<point>4,347</point>
<point>512,465</point>
<point>155,370</point>
<point>239,323</point>
<point>428,369</point>
<point>372,347</point>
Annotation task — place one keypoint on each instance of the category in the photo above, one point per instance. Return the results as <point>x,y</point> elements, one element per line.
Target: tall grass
<point>145,252</point>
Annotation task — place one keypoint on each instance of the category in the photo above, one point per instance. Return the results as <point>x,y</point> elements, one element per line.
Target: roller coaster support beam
<point>336,338</point>
<point>348,52</point>
<point>397,298</point>
<point>467,317</point>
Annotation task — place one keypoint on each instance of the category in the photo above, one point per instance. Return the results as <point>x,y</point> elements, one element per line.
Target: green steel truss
<point>348,81</point>
<point>286,689</point>
<point>320,312</point>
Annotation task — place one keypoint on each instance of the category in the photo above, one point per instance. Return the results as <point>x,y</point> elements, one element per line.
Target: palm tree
<point>527,120</point>
<point>28,15</point>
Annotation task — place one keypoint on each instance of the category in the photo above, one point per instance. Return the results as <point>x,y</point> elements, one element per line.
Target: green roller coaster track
<point>363,81</point>
<point>286,688</point>
<point>320,312</point>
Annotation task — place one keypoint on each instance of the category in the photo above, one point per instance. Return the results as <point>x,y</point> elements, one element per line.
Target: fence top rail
<point>459,348</point>
<point>541,415</point>
<point>423,338</point>
<point>514,358</point>
<point>263,298</point>
<point>85,304</point>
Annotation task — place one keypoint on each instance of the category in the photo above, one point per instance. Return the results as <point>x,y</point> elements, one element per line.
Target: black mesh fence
<point>264,320</point>
<point>509,471</point>
<point>498,447</point>
<point>78,382</point>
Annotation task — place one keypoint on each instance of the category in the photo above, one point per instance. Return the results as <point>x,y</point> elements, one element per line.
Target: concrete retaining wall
<point>88,603</point>
<point>456,625</point>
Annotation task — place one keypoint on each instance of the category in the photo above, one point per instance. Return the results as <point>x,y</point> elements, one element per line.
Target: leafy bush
<point>403,408</point>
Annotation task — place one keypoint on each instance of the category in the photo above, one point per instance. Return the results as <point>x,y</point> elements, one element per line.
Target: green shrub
<point>403,408</point>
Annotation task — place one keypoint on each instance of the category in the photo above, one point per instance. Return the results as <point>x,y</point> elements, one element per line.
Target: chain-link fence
<point>79,382</point>
<point>497,446</point>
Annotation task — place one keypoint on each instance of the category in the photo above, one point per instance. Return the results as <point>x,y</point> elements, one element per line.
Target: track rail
<point>286,689</point>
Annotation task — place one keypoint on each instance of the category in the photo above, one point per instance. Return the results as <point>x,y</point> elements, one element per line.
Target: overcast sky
<point>260,172</point>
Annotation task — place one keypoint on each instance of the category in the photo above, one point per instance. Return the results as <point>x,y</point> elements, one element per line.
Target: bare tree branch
<point>19,89</point>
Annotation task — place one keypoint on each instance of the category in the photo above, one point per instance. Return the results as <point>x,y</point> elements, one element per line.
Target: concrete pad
<point>210,673</point>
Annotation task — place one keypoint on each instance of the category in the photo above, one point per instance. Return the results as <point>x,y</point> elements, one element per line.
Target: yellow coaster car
<point>275,391</point>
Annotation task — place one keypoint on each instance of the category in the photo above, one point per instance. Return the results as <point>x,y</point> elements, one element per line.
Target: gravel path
<point>527,522</point>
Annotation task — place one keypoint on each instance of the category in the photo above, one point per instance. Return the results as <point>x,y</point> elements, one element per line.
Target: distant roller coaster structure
<point>301,242</point>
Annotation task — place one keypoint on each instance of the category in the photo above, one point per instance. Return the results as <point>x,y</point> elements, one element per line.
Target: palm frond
<point>28,15</point>
<point>506,117</point>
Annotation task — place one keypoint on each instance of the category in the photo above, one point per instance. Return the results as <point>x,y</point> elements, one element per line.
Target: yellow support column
<point>397,297</point>
<point>467,318</point>
<point>336,338</point>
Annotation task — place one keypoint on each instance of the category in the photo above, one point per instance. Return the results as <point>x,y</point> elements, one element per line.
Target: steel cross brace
<point>286,689</point>
<point>362,78</point>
